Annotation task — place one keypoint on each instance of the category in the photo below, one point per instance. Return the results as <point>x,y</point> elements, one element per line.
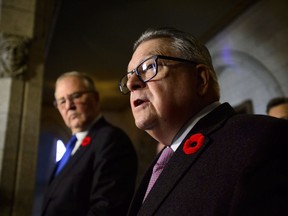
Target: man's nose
<point>134,83</point>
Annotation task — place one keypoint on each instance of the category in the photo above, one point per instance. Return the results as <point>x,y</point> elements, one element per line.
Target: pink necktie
<point>158,167</point>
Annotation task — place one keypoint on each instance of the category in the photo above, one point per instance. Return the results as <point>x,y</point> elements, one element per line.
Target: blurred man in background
<point>96,175</point>
<point>278,107</point>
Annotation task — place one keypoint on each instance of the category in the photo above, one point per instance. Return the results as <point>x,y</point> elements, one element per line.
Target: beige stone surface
<point>17,17</point>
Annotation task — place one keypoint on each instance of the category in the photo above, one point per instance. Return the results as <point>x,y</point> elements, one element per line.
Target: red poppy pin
<point>86,141</point>
<point>193,144</point>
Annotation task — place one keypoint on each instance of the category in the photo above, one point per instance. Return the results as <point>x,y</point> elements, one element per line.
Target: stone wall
<point>250,55</point>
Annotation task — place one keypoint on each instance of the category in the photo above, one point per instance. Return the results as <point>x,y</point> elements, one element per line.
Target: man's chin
<point>143,125</point>
<point>75,126</point>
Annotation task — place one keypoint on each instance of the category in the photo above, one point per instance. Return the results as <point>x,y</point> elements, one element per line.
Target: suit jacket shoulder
<point>241,165</point>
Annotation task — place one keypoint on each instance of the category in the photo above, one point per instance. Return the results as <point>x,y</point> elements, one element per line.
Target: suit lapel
<point>180,162</point>
<point>171,174</point>
<point>71,164</point>
<point>55,181</point>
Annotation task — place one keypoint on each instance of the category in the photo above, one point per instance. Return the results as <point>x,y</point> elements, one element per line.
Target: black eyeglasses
<point>146,70</point>
<point>74,97</point>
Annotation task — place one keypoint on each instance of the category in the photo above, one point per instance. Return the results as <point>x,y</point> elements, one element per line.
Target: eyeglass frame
<point>71,97</point>
<point>156,57</point>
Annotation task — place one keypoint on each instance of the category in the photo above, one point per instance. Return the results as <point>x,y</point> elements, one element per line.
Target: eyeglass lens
<point>74,98</point>
<point>145,72</point>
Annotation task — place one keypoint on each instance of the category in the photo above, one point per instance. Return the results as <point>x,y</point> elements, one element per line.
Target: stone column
<point>23,31</point>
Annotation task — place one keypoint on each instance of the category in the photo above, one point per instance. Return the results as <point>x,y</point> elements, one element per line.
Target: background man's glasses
<point>74,98</point>
<point>146,70</point>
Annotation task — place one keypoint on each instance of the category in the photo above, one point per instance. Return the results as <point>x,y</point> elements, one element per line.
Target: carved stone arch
<point>243,77</point>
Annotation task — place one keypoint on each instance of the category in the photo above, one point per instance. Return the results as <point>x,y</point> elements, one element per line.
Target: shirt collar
<point>82,134</point>
<point>190,124</point>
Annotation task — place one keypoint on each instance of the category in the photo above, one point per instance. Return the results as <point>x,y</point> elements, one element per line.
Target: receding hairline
<point>87,80</point>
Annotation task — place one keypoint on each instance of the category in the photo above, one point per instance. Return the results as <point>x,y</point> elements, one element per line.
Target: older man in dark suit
<point>96,176</point>
<point>216,162</point>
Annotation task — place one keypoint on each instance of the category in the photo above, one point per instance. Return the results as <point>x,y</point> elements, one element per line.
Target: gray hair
<point>187,45</point>
<point>88,81</point>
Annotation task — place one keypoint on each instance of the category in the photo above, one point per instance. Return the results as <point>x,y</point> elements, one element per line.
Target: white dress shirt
<point>81,135</point>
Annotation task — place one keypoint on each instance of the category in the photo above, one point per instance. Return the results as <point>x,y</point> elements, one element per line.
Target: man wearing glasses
<point>215,162</point>
<point>96,176</point>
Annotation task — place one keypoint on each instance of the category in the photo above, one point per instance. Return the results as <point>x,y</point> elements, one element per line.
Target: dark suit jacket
<point>98,179</point>
<point>241,169</point>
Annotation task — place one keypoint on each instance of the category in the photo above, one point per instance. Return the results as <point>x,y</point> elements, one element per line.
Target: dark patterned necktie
<point>66,155</point>
<point>158,167</point>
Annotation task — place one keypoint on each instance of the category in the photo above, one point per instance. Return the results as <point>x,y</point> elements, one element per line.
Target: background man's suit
<point>240,170</point>
<point>100,176</point>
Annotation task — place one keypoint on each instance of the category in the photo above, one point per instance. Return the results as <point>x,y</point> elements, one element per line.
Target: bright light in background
<point>60,150</point>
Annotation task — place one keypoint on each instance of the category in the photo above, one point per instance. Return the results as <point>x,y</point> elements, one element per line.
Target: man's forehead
<point>147,49</point>
<point>65,87</point>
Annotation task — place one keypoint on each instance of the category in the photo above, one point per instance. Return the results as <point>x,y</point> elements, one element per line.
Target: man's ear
<point>203,77</point>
